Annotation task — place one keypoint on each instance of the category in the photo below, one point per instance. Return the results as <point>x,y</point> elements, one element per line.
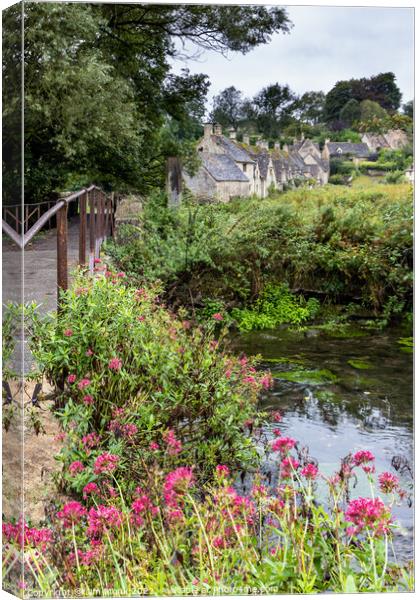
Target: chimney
<point>327,141</point>
<point>286,148</point>
<point>276,145</point>
<point>302,137</point>
<point>208,130</point>
<point>245,139</point>
<point>217,129</point>
<point>264,144</point>
<point>232,133</point>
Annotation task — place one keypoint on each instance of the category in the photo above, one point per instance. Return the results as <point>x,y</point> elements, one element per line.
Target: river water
<point>342,394</point>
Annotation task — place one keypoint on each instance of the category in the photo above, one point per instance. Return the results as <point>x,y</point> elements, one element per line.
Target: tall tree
<point>273,105</point>
<point>228,107</point>
<point>350,112</point>
<point>309,107</point>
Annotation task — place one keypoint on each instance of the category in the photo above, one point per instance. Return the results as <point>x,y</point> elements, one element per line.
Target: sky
<point>326,45</point>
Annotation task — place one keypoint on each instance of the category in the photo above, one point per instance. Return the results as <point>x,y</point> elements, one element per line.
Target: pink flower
<point>176,483</point>
<point>76,467</point>
<point>153,446</point>
<point>228,374</point>
<point>277,417</point>
<point>88,399</point>
<point>139,507</point>
<point>90,488</point>
<point>83,383</point>
<point>222,470</point>
<point>249,379</point>
<point>102,519</point>
<point>91,440</point>
<point>174,446</point>
<point>71,378</point>
<point>288,465</point>
<point>388,483</point>
<point>60,437</point>
<point>309,471</point>
<point>105,463</point>
<point>97,261</point>
<point>71,512</point>
<point>186,324</point>
<point>283,444</point>
<point>24,535</point>
<point>121,274</point>
<point>218,316</point>
<point>266,381</point>
<point>369,513</point>
<point>68,332</point>
<point>141,318</point>
<point>89,352</point>
<point>362,457</point>
<point>115,364</point>
<point>277,432</point>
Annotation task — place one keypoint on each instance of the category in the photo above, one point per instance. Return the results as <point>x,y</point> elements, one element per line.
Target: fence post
<point>62,277</point>
<point>91,230</point>
<point>82,231</point>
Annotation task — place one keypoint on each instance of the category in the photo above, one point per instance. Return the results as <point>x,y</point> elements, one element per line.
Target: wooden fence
<point>96,210</point>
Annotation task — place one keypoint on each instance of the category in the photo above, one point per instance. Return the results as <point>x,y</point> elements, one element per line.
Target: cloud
<point>326,44</point>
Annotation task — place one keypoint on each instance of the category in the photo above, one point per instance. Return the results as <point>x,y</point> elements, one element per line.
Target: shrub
<point>275,306</point>
<point>143,383</point>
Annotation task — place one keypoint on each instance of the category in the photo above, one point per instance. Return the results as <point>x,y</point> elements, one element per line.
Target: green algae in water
<point>406,344</point>
<point>283,360</point>
<point>359,364</point>
<point>319,377</point>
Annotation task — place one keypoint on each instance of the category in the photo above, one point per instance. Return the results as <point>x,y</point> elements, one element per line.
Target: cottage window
<point>244,167</point>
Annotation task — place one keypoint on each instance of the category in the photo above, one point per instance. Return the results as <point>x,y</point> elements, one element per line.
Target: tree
<point>100,96</point>
<point>228,107</point>
<point>273,105</point>
<point>350,112</point>
<point>371,110</point>
<point>309,107</point>
<point>380,88</point>
<point>408,109</point>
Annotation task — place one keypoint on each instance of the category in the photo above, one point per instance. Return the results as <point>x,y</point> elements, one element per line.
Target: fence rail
<point>96,211</point>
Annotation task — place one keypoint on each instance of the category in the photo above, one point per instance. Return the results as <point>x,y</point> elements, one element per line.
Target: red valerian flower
<point>88,399</point>
<point>222,470</point>
<point>309,471</point>
<point>362,457</point>
<point>68,332</point>
<point>176,483</point>
<point>283,444</point>
<point>388,482</point>
<point>369,513</point>
<point>102,519</point>
<point>71,513</point>
<point>71,378</point>
<point>115,364</point>
<point>83,383</point>
<point>277,417</point>
<point>90,488</point>
<point>218,316</point>
<point>174,445</point>
<point>105,463</point>
<point>76,467</point>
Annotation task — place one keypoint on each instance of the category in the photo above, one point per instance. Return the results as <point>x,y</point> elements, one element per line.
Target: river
<point>341,394</point>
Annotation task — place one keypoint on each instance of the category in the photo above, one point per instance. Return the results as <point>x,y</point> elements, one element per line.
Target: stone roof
<point>361,150</point>
<point>263,160</point>
<point>235,151</point>
<point>222,168</point>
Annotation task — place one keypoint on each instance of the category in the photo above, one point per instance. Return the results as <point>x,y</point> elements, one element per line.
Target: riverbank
<point>335,244</point>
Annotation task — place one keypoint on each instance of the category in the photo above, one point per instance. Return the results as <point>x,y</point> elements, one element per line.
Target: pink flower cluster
<point>140,507</point>
<point>68,332</point>
<point>222,470</point>
<point>362,458</point>
<point>174,445</point>
<point>176,484</point>
<point>309,471</point>
<point>127,430</point>
<point>283,444</point>
<point>388,482</point>
<point>23,535</point>
<point>370,514</point>
<point>218,316</point>
<point>288,465</point>
<point>91,440</point>
<point>71,513</point>
<point>105,463</point>
<point>115,364</point>
<point>76,467</point>
<point>90,488</point>
<point>103,518</point>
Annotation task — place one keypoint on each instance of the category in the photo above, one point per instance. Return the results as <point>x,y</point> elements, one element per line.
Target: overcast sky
<point>326,44</point>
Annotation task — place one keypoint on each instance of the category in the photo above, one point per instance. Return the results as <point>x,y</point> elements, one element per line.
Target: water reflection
<point>335,408</point>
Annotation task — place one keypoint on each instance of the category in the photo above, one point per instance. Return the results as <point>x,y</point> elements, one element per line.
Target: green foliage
<point>344,242</point>
<point>350,112</point>
<point>115,355</point>
<point>275,306</point>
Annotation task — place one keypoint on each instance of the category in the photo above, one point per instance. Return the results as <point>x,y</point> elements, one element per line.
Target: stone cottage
<point>350,150</point>
<point>394,139</point>
<point>231,169</point>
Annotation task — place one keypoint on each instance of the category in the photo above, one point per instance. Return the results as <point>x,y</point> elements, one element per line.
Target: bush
<point>142,383</point>
<point>338,179</point>
<point>275,306</point>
